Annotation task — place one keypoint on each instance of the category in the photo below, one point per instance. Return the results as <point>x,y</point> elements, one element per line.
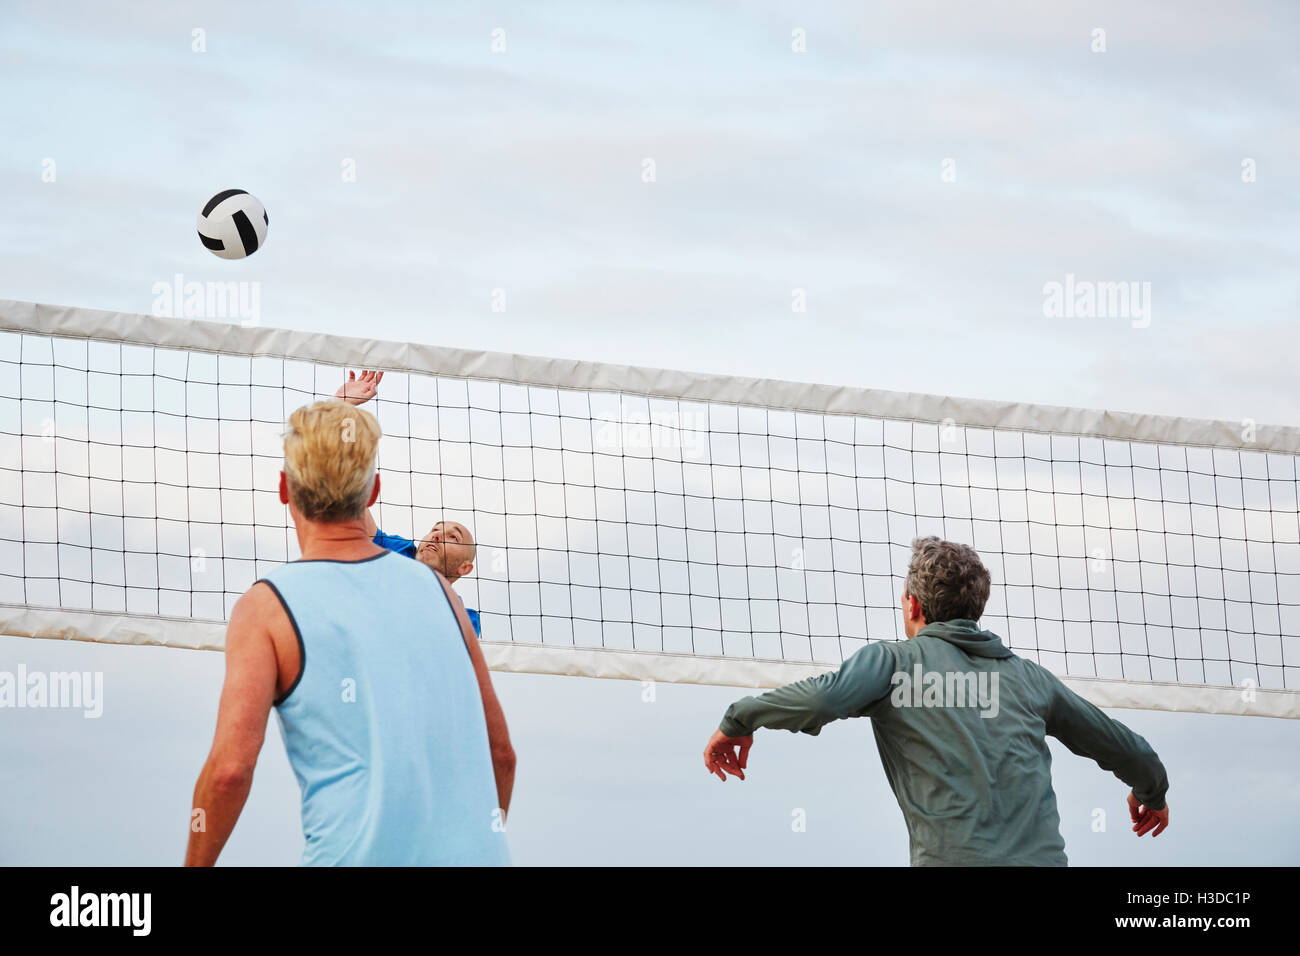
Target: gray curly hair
<point>948,579</point>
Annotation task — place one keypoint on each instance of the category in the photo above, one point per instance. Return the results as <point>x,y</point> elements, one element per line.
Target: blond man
<point>386,707</point>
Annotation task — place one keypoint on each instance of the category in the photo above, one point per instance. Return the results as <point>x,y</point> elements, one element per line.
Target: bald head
<point>448,548</point>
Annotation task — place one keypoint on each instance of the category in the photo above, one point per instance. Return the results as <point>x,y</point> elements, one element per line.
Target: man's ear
<point>374,492</point>
<point>466,568</point>
<point>284,489</point>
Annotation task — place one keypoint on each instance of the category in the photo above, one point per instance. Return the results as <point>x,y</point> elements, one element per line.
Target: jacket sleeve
<point>1088,732</point>
<point>807,705</point>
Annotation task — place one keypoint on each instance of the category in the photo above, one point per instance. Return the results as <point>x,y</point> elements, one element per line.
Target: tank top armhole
<point>302,648</point>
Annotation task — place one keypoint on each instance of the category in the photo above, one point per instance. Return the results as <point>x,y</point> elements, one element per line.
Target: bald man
<point>449,547</point>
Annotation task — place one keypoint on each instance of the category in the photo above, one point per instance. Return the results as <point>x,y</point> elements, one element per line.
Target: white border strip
<point>565,660</point>
<point>335,350</point>
<point>1189,698</point>
<point>18,620</point>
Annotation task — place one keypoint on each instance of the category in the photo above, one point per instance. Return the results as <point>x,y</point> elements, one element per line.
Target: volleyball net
<point>649,524</point>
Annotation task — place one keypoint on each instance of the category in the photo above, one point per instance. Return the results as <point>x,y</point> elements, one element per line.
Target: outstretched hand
<point>727,755</point>
<point>1145,819</point>
<point>358,391</point>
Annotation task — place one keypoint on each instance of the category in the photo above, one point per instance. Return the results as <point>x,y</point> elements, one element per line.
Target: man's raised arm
<point>358,391</point>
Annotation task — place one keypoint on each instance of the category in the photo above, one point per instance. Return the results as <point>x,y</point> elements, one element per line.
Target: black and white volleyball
<point>233,224</point>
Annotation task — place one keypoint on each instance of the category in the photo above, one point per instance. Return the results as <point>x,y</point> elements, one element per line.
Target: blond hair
<point>329,460</point>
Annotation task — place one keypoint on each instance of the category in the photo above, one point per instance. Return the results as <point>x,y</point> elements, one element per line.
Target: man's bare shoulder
<point>259,619</point>
<point>259,612</point>
<point>258,600</point>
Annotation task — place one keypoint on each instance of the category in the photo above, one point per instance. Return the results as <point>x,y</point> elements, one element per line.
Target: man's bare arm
<point>246,700</point>
<point>503,754</point>
<point>358,391</point>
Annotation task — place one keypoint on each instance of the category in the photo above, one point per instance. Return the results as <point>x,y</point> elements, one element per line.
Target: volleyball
<point>233,224</point>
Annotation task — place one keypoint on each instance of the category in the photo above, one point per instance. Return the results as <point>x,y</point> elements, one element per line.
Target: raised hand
<point>358,391</point>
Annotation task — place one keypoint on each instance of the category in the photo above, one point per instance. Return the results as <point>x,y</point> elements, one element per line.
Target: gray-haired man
<point>960,722</point>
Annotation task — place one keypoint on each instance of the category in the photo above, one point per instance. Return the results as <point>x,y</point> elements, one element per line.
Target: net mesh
<point>143,480</point>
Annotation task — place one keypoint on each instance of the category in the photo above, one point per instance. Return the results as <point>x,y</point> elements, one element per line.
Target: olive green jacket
<point>961,723</point>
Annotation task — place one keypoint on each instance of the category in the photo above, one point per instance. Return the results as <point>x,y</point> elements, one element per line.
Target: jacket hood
<point>968,636</point>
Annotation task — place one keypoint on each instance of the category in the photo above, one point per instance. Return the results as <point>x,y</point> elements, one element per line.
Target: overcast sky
<point>920,172</point>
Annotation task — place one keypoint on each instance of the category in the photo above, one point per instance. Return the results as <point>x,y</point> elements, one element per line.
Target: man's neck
<point>335,540</point>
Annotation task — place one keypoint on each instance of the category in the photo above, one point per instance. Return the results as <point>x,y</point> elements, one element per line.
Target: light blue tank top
<point>385,728</point>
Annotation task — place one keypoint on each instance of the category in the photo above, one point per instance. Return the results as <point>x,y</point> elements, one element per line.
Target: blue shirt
<point>405,546</point>
<point>384,725</point>
<point>394,542</point>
